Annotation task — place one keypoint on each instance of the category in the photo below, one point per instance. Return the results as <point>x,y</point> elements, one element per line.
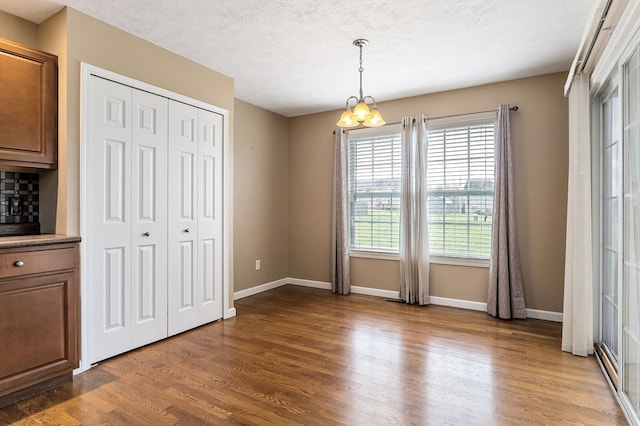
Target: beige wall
<point>261,199</point>
<point>540,134</point>
<point>30,34</point>
<point>17,29</point>
<point>102,45</point>
<point>52,37</point>
<point>283,167</point>
<point>99,44</point>
<point>77,38</point>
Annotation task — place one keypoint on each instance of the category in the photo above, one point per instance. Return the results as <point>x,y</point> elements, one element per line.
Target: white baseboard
<point>260,288</point>
<point>389,294</point>
<point>481,306</point>
<point>458,303</point>
<point>386,294</point>
<point>231,312</point>
<point>309,283</point>
<point>544,315</point>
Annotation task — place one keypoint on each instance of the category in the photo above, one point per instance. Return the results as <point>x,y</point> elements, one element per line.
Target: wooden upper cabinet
<point>28,107</point>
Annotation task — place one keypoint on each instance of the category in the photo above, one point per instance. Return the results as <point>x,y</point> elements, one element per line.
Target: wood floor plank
<point>301,356</point>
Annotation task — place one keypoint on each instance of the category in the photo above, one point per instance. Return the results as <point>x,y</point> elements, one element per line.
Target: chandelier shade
<point>363,113</point>
<point>346,121</point>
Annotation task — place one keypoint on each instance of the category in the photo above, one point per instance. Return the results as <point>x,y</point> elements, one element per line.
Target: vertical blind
<point>374,192</point>
<point>460,185</point>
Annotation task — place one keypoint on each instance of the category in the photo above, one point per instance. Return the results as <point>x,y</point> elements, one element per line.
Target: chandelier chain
<point>361,113</point>
<point>361,69</point>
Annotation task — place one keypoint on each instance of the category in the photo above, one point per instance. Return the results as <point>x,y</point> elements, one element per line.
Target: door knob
<point>146,234</point>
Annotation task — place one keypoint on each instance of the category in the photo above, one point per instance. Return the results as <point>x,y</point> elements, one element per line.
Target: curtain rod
<point>439,117</point>
<point>513,108</point>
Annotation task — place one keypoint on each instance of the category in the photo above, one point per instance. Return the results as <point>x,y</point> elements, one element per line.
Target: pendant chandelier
<point>361,113</point>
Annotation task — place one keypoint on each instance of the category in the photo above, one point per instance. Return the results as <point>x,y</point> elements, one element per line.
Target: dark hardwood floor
<point>297,355</point>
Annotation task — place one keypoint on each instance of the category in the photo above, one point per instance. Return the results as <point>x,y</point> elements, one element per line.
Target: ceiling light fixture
<point>361,113</point>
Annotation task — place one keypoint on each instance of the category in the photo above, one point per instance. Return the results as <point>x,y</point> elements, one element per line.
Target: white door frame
<point>87,71</point>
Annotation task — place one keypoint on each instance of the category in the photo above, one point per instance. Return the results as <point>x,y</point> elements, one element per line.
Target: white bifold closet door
<point>153,218</point>
<point>195,217</point>
<point>127,219</point>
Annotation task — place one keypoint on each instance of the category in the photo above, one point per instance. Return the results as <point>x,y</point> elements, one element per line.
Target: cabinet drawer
<point>17,263</point>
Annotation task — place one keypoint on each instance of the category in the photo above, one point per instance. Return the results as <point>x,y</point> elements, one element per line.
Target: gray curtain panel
<point>506,295</point>
<point>414,236</point>
<point>340,267</point>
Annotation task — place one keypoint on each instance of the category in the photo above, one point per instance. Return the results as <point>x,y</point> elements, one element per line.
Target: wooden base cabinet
<point>38,318</point>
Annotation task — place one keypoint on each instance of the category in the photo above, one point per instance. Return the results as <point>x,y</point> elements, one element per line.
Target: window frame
<point>362,133</point>
<point>432,124</point>
<point>461,121</point>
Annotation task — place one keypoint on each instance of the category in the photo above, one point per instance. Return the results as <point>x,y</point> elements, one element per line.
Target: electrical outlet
<point>257,265</point>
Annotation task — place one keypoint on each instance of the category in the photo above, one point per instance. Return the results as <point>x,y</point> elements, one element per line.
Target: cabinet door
<point>126,219</point>
<point>28,107</point>
<point>38,329</point>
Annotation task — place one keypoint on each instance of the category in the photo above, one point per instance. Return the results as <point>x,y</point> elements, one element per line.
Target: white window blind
<point>460,186</point>
<point>374,189</point>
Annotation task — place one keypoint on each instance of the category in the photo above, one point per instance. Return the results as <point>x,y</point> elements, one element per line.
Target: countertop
<point>36,240</point>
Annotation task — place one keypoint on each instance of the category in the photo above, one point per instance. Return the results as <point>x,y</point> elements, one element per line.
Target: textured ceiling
<point>296,57</point>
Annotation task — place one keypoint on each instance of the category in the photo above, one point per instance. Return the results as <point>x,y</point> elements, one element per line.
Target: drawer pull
<point>19,264</point>
<point>146,234</point>
<point>186,230</point>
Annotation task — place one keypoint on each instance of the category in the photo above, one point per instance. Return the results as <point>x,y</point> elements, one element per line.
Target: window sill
<point>375,255</point>
<point>455,261</point>
<point>460,261</point>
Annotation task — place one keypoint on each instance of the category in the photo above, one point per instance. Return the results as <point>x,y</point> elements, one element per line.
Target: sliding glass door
<point>615,85</point>
<point>631,236</point>
<point>618,233</point>
<point>610,211</point>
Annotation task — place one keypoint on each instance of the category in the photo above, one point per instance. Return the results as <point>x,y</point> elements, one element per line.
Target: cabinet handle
<point>19,264</point>
<point>146,234</point>
<point>186,230</point>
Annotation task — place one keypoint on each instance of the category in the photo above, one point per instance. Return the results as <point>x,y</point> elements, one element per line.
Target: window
<point>460,185</point>
<point>374,188</point>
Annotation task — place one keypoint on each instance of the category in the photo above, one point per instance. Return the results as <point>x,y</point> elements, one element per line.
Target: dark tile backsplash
<point>19,197</point>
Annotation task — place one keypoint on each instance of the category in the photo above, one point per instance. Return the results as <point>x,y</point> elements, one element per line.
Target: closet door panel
<point>115,177</point>
<point>210,215</point>
<point>109,219</point>
<point>207,248</point>
<point>187,283</point>
<point>146,308</point>
<point>149,214</point>
<point>186,190</point>
<point>114,305</point>
<point>207,239</point>
<point>183,195</point>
